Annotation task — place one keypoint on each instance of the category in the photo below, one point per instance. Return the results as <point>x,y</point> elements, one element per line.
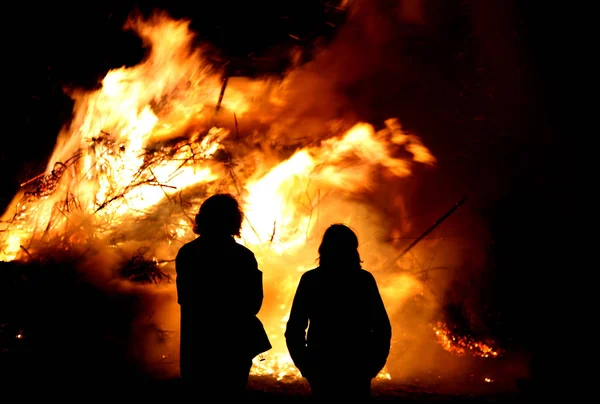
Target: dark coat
<point>338,324</point>
<point>220,291</point>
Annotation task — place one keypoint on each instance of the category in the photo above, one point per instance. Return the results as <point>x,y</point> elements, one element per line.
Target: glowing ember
<point>463,345</point>
<point>281,367</point>
<point>145,149</point>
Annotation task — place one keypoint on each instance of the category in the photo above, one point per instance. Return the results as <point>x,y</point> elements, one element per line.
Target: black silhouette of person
<point>220,292</point>
<point>338,333</point>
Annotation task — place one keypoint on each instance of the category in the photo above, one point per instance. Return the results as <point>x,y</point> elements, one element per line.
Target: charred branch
<point>237,131</point>
<point>140,269</point>
<point>273,233</point>
<point>432,227</point>
<point>222,93</point>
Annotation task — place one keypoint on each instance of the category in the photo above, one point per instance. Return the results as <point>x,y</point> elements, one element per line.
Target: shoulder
<point>242,255</point>
<point>310,275</point>
<point>243,250</point>
<point>366,276</point>
<point>186,248</point>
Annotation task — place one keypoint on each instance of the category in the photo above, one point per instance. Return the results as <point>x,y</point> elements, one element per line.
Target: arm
<point>381,321</point>
<point>255,286</point>
<point>180,281</point>
<point>382,330</point>
<point>295,333</point>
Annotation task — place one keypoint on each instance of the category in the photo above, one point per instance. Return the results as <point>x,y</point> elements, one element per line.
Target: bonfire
<point>126,177</point>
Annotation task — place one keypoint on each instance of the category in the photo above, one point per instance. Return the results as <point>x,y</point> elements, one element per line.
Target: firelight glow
<point>144,150</point>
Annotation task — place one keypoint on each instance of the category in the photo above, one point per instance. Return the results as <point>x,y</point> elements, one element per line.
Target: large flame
<point>144,150</point>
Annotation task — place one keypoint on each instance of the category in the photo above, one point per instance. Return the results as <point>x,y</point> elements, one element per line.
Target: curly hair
<point>219,214</point>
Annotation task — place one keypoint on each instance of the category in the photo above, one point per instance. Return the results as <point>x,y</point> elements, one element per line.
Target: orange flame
<point>463,345</point>
<point>144,149</point>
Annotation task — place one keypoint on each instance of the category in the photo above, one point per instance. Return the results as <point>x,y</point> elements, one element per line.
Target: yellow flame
<point>147,147</point>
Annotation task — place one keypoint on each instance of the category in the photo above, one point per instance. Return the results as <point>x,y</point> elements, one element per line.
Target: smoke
<point>410,60</point>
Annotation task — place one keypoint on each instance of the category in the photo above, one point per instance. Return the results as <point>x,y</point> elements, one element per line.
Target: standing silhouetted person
<point>338,333</point>
<point>220,292</point>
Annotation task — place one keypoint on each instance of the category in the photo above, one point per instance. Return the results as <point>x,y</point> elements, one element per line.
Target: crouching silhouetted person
<point>220,292</point>
<point>338,333</point>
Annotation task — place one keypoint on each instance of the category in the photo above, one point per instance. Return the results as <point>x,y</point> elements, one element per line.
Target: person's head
<point>339,247</point>
<point>221,215</point>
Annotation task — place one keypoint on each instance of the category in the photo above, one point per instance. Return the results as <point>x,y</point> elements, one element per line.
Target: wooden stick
<point>433,226</point>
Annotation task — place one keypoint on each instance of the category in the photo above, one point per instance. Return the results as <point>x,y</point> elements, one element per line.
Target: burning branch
<point>45,184</point>
<point>139,269</point>
<point>130,187</point>
<point>462,344</point>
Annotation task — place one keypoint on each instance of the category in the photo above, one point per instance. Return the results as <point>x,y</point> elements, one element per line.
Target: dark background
<point>503,70</point>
